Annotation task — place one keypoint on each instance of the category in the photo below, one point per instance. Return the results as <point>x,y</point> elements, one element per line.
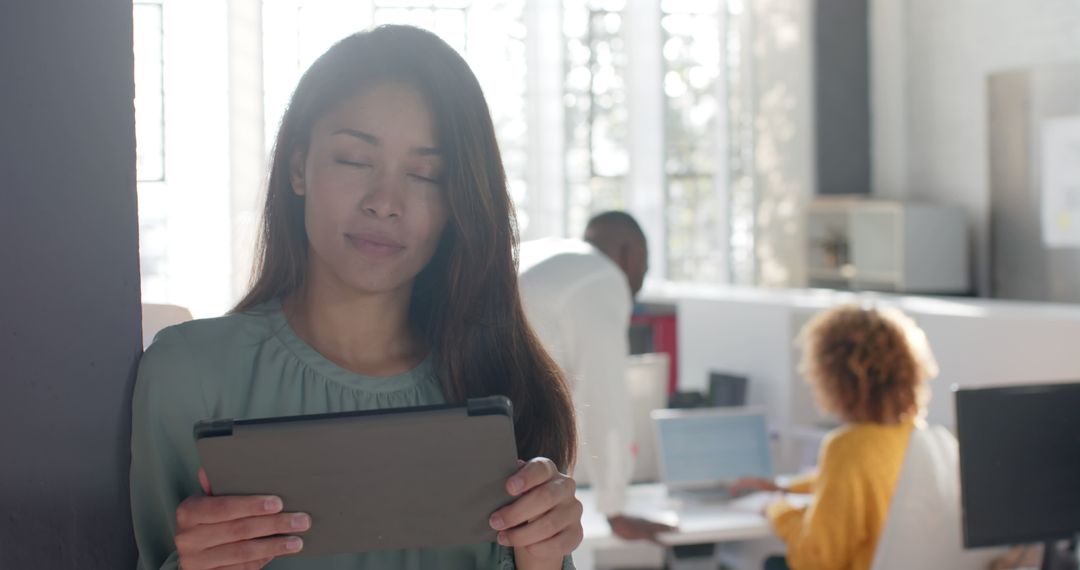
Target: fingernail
<point>300,522</point>
<point>503,540</point>
<point>294,544</point>
<point>497,522</point>
<point>272,505</point>
<point>516,485</point>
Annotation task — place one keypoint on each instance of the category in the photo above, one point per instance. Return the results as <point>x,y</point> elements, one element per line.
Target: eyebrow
<point>374,140</point>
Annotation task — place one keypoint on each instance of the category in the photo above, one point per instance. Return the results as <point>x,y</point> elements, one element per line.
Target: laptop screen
<point>712,447</point>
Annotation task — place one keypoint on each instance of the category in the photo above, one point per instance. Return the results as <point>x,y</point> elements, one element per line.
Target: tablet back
<point>387,479</point>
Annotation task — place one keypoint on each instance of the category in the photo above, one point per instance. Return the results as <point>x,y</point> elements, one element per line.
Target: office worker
<point>578,296</point>
<point>385,279</point>
<point>869,367</point>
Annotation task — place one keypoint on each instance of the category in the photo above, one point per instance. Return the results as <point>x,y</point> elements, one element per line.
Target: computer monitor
<point>711,447</point>
<point>1019,463</point>
<point>727,390</point>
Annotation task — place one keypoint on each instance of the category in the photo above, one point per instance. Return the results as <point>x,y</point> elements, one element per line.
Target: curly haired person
<point>868,367</point>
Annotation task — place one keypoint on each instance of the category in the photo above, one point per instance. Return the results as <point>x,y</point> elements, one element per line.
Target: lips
<point>374,244</point>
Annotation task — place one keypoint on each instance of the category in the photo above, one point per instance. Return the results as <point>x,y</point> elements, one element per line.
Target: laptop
<point>703,451</point>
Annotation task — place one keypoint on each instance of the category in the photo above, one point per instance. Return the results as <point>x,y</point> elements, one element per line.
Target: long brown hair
<point>465,301</point>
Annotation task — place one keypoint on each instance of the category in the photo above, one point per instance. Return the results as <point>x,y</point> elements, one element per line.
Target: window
<point>182,129</point>
<point>696,244</point>
<point>149,92</point>
<point>643,105</point>
<point>148,47</point>
<point>704,211</point>
<point>741,197</point>
<point>596,117</point>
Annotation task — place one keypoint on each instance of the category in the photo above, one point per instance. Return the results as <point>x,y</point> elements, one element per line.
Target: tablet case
<point>386,479</point>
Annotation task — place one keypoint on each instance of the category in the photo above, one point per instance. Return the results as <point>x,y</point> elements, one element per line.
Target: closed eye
<point>353,163</point>
<point>425,179</point>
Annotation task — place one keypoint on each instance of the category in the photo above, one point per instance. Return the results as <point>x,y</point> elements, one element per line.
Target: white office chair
<point>156,317</point>
<point>647,380</point>
<point>923,528</point>
<point>647,384</point>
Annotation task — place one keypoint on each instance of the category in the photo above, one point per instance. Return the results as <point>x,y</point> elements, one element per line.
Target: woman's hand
<point>752,484</point>
<point>543,524</point>
<point>235,533</point>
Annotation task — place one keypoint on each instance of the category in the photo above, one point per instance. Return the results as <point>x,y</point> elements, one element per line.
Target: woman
<point>868,367</point>
<point>386,279</point>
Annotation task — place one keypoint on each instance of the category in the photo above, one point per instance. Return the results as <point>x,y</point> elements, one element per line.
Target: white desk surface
<point>697,523</point>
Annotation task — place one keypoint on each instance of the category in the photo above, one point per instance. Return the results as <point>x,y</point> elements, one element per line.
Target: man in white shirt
<point>578,297</point>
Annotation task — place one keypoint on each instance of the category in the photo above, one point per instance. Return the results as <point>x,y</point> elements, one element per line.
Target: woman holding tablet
<point>386,279</point>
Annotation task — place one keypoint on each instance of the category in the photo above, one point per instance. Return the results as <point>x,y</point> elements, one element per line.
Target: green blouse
<point>253,365</point>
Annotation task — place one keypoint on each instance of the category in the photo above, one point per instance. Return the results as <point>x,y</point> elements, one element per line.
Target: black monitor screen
<point>1019,463</point>
<point>727,390</point>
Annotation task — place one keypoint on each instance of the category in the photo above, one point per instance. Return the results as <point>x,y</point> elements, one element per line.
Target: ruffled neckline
<point>323,366</point>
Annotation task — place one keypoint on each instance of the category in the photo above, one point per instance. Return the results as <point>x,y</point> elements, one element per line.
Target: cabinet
<point>887,246</point>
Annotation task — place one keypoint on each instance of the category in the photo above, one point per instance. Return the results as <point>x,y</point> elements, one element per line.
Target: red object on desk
<point>664,339</point>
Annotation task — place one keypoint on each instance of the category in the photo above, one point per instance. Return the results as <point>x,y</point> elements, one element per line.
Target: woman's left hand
<point>543,524</point>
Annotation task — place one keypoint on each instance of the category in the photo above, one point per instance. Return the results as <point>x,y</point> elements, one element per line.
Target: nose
<point>383,198</point>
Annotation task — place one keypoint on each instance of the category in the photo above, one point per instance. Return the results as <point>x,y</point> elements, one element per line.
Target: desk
<point>697,524</point>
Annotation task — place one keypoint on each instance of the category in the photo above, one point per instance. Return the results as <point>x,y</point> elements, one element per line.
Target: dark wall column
<point>69,283</point>
<point>842,96</point>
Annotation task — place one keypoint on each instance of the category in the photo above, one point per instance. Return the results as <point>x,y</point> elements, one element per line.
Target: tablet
<point>421,477</point>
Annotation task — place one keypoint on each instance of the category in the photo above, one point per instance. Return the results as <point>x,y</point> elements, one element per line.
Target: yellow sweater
<point>857,473</point>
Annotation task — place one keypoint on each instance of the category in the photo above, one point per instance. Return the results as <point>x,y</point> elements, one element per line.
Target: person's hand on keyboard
<point>748,485</point>
<point>633,528</point>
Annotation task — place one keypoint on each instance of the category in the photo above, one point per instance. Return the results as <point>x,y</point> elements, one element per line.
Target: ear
<point>296,172</point>
<point>624,256</point>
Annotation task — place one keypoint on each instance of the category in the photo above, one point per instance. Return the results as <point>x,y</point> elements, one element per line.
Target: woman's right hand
<point>235,532</point>
<point>752,484</point>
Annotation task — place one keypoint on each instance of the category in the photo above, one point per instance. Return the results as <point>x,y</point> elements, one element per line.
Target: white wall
<point>752,331</point>
<point>930,63</point>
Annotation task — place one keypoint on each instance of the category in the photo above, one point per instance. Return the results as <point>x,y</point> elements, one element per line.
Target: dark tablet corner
<point>213,428</point>
<point>490,406</point>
